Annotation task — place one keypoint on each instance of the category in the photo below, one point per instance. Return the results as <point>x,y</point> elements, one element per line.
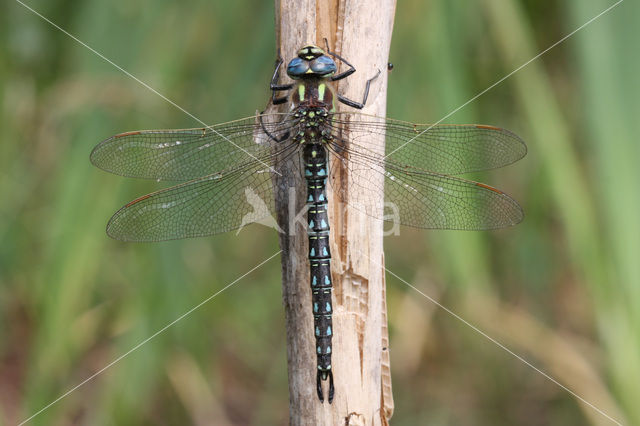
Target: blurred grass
<point>562,289</point>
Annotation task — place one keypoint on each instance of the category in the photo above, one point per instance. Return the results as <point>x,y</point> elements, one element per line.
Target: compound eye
<point>297,68</point>
<point>323,65</point>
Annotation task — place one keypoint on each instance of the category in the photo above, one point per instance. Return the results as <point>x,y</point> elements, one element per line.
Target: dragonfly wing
<point>444,202</point>
<point>186,154</point>
<point>209,205</point>
<point>426,200</point>
<point>443,148</point>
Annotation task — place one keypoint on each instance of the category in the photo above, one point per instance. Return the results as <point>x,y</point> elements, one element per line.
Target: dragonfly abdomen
<point>315,158</point>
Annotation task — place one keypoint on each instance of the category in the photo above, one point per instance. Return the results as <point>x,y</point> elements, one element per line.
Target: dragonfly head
<point>311,61</point>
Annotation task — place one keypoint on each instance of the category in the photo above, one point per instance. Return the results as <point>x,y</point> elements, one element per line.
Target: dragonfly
<point>222,169</point>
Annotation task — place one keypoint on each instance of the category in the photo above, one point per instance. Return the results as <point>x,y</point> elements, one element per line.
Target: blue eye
<point>297,67</point>
<point>323,65</point>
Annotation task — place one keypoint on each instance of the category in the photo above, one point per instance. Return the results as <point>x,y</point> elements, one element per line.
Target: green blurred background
<point>562,289</point>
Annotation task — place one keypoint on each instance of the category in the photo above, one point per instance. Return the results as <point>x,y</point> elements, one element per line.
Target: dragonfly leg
<point>347,73</point>
<point>272,137</point>
<point>359,105</point>
<point>343,74</point>
<point>275,87</point>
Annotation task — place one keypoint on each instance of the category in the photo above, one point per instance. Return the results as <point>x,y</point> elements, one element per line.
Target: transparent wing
<point>209,205</point>
<point>186,154</point>
<point>424,199</point>
<point>229,170</point>
<point>443,148</point>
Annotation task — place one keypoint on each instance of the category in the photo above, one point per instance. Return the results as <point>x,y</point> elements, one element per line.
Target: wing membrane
<point>443,148</point>
<point>425,199</point>
<point>209,205</point>
<point>228,172</point>
<point>186,154</point>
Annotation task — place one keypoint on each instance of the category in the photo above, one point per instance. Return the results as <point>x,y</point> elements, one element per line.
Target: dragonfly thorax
<point>313,94</point>
<point>313,125</point>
